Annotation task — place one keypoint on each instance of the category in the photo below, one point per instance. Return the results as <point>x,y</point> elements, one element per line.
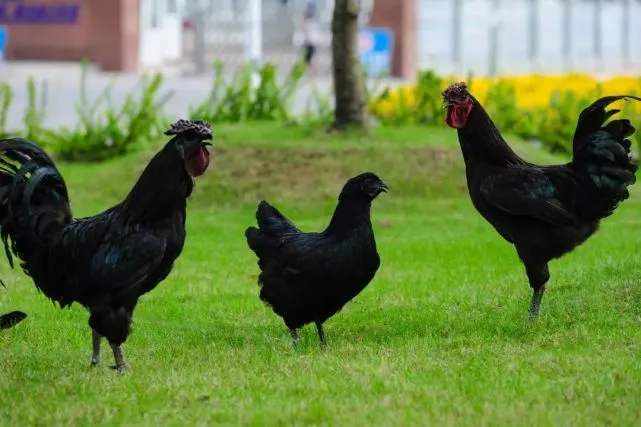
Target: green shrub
<point>103,131</point>
<point>238,101</point>
<point>100,135</point>
<point>6,99</point>
<point>553,125</point>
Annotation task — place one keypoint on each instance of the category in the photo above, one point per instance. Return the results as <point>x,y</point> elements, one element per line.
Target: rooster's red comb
<point>199,128</point>
<point>456,90</point>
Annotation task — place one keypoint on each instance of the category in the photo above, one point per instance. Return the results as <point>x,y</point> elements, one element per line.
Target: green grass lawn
<point>440,337</point>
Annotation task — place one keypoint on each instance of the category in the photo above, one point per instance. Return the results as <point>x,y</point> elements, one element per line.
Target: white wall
<point>160,31</point>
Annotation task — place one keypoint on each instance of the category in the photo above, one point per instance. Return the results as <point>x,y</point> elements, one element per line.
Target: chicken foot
<point>95,338</point>
<point>319,328</point>
<point>118,357</point>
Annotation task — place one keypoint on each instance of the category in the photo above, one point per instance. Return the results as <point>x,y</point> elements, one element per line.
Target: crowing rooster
<point>105,262</point>
<point>544,211</point>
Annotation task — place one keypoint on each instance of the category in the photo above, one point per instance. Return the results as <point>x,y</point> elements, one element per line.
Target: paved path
<point>64,90</point>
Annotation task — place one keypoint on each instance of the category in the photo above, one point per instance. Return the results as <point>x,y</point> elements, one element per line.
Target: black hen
<point>544,211</point>
<point>11,319</point>
<point>105,262</point>
<point>309,277</point>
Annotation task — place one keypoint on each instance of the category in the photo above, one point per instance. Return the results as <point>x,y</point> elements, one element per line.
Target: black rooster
<point>105,262</point>
<point>309,277</point>
<point>544,211</point>
<point>11,319</point>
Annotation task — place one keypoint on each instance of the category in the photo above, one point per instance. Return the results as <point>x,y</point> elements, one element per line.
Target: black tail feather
<point>33,198</point>
<point>10,320</point>
<point>602,154</point>
<point>272,222</point>
<point>593,117</point>
<point>272,225</point>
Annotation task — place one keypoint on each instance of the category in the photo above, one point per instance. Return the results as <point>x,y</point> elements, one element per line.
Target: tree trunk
<point>349,90</point>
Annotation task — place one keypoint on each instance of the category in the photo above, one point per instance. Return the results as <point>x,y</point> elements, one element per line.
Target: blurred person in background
<point>310,35</point>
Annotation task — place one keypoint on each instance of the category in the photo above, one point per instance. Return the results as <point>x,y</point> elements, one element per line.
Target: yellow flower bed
<point>532,91</point>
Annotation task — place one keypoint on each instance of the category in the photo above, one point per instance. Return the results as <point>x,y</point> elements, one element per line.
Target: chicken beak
<point>383,187</point>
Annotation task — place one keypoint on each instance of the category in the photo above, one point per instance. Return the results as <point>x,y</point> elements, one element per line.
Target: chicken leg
<point>95,357</point>
<point>294,334</point>
<point>538,277</point>
<point>321,333</point>
<point>535,303</point>
<point>118,357</point>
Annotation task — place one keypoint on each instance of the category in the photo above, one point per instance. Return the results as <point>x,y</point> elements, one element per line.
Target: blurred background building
<point>450,36</point>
